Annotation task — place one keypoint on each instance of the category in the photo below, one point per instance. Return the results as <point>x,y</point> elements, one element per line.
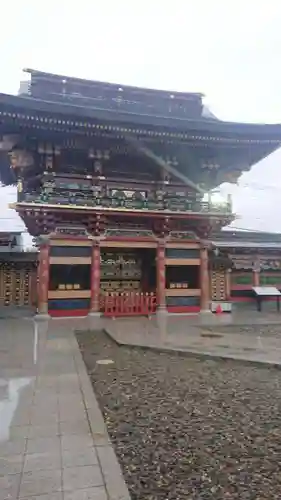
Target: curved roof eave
<point>245,244</point>
<point>18,104</point>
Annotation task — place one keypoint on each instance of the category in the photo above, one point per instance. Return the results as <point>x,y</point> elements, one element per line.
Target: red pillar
<point>256,278</point>
<point>43,279</point>
<point>204,281</point>
<point>95,279</point>
<point>161,277</point>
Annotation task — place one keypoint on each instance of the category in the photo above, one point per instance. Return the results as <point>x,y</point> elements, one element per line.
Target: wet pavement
<point>53,441</point>
<point>244,336</point>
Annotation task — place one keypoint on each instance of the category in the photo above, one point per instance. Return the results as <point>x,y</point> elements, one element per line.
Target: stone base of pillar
<point>161,310</point>
<point>205,311</point>
<point>94,314</point>
<point>95,321</point>
<point>42,317</point>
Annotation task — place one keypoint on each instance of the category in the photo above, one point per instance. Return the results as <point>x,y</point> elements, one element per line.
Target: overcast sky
<point>230,50</point>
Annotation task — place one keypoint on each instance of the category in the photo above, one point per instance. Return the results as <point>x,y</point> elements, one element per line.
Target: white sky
<point>230,50</point>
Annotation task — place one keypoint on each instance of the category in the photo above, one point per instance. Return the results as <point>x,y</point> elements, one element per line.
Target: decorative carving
<point>46,148</point>
<point>183,235</point>
<point>266,264</point>
<point>256,264</point>
<point>98,225</point>
<point>21,159</point>
<point>218,262</point>
<point>17,283</point>
<point>72,230</point>
<point>242,262</point>
<point>218,284</point>
<point>49,162</point>
<point>98,167</point>
<point>98,154</point>
<point>129,233</point>
<point>161,227</point>
<point>82,193</point>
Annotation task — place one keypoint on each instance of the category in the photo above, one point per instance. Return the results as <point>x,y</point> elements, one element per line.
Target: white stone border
<point>110,467</point>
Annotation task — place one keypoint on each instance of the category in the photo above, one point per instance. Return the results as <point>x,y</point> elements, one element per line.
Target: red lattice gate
<point>115,304</point>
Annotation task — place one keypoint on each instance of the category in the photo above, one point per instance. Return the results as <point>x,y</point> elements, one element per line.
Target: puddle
<point>10,394</point>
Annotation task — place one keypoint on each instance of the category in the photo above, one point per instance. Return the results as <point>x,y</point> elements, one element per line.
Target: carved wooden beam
<point>21,159</point>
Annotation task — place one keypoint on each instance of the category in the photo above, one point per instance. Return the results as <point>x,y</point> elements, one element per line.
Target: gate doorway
<point>128,282</point>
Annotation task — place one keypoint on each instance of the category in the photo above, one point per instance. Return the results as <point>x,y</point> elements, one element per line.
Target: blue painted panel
<point>68,304</point>
<point>70,251</point>
<point>183,301</point>
<point>182,253</point>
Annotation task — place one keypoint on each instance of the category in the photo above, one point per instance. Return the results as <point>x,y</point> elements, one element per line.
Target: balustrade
<point>164,204</point>
<point>116,304</point>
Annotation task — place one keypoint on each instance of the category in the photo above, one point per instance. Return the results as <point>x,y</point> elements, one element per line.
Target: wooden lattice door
<point>17,284</point>
<point>218,284</point>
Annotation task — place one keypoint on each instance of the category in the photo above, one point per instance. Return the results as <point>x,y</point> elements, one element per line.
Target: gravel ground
<point>185,428</point>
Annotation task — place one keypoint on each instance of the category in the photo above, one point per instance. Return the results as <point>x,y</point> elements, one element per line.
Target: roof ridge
<point>121,86</point>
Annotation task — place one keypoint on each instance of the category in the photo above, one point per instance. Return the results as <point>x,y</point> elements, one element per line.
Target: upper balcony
<point>120,200</point>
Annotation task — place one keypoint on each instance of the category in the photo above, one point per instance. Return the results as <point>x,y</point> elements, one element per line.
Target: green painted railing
<point>174,205</point>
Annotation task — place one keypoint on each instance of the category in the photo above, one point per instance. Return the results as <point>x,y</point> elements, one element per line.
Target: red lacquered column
<point>161,277</point>
<point>256,271</point>
<point>256,278</point>
<point>43,279</point>
<point>204,280</point>
<point>95,279</point>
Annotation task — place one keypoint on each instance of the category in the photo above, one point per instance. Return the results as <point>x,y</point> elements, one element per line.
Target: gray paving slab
<point>53,439</point>
<point>39,482</point>
<point>9,486</point>
<point>96,493</point>
<point>224,336</point>
<point>87,476</point>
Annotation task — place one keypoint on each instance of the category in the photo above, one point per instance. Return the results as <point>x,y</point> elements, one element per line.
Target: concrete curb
<point>113,477</point>
<point>196,354</point>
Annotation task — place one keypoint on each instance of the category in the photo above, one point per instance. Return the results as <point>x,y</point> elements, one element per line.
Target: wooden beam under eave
<point>127,244</point>
<point>182,262</point>
<point>70,261</point>
<point>69,241</point>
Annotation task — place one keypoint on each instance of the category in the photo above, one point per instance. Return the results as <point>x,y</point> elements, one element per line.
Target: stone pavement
<point>53,440</point>
<point>251,337</point>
